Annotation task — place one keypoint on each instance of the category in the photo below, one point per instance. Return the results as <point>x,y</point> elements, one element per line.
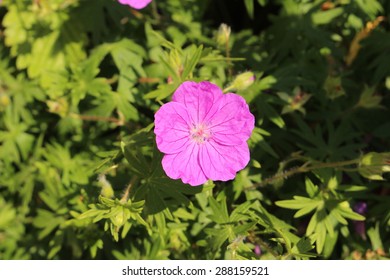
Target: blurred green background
<point>81,178</point>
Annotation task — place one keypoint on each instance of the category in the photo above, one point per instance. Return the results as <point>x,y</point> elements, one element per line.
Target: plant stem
<point>155,13</point>
<point>338,164</point>
<point>126,194</point>
<point>306,167</point>
<point>97,118</point>
<point>230,69</point>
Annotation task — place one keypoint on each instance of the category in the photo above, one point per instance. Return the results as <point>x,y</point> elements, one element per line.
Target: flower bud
<point>242,81</point>
<point>119,219</point>
<point>373,165</point>
<point>223,34</point>
<point>333,87</point>
<point>60,107</point>
<point>107,190</point>
<point>295,102</point>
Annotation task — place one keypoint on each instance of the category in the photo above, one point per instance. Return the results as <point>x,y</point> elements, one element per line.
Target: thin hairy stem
<point>126,193</point>
<point>306,167</point>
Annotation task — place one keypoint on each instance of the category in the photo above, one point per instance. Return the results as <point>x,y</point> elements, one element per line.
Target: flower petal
<point>198,98</point>
<point>232,106</point>
<point>228,139</point>
<point>221,162</point>
<point>185,165</point>
<point>232,122</point>
<point>171,127</point>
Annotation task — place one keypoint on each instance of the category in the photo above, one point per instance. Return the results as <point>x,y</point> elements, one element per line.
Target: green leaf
<point>306,210</point>
<point>271,113</point>
<point>303,247</point>
<point>311,189</point>
<point>312,224</point>
<point>244,228</point>
<point>330,243</point>
<point>218,237</point>
<point>219,211</point>
<point>47,221</point>
<point>298,202</point>
<point>352,188</point>
<point>190,64</point>
<point>240,212</point>
<point>320,237</point>
<point>262,2</point>
<point>347,212</point>
<point>249,4</point>
<point>125,107</point>
<point>325,17</point>
<point>162,92</point>
<point>132,150</point>
<point>375,238</point>
<point>337,216</point>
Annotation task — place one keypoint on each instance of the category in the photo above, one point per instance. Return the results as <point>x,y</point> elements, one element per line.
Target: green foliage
<point>116,214</point>
<point>80,173</point>
<point>330,211</point>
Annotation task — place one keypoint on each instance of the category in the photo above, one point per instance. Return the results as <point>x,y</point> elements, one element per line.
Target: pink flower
<point>136,4</point>
<point>257,250</point>
<point>203,133</point>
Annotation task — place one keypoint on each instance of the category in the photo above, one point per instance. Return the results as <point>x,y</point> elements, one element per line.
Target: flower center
<point>200,133</point>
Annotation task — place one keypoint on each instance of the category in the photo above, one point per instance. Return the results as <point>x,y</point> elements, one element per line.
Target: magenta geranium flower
<point>136,4</point>
<point>203,133</point>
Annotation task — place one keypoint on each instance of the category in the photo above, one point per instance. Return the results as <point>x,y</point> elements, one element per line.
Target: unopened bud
<point>295,102</point>
<point>59,107</point>
<point>119,219</point>
<point>223,34</point>
<point>333,87</point>
<point>373,165</point>
<point>387,83</point>
<point>242,81</point>
<point>107,190</point>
